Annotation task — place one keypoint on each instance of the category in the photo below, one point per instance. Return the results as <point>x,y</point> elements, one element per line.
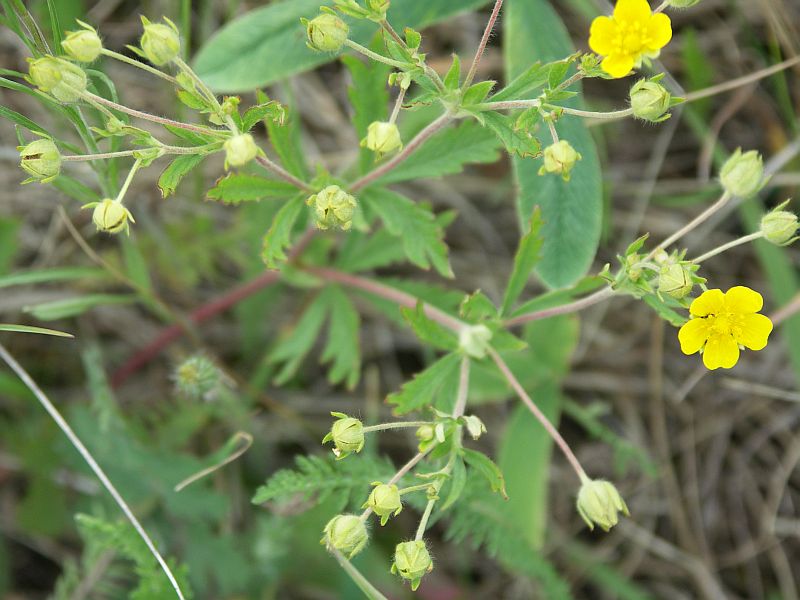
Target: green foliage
<point>176,171</point>
<point>525,260</point>
<point>427,387</point>
<point>429,331</point>
<point>279,235</point>
<point>369,99</point>
<point>235,188</point>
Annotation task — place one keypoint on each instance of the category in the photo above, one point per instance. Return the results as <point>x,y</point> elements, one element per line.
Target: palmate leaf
<point>176,171</point>
<point>422,236</point>
<point>518,142</point>
<point>429,331</point>
<point>426,387</point>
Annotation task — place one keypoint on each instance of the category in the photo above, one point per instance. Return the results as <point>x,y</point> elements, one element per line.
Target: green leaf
<point>176,171</point>
<point>279,235</point>
<point>458,480</point>
<point>665,309</point>
<point>75,189</point>
<point>361,252</point>
<point>21,120</point>
<point>429,331</point>
<point>285,139</point>
<point>425,387</point>
<point>268,44</point>
<point>30,329</point>
<point>477,92</point>
<point>571,211</point>
<point>369,98</point>
<point>452,79</point>
<point>292,348</point>
<point>526,258</point>
<point>342,348</point>
<point>234,188</point>
<point>516,140</point>
<point>523,85</point>
<point>51,275</point>
<point>71,307</point>
<point>271,110</point>
<point>423,238</point>
<point>446,153</point>
<point>486,467</point>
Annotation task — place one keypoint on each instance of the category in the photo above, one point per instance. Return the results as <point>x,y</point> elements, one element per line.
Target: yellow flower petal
<point>693,335</point>
<point>618,65</point>
<point>659,31</point>
<point>721,351</point>
<point>755,331</point>
<point>743,300</point>
<point>709,302</point>
<point>601,35</point>
<point>632,11</point>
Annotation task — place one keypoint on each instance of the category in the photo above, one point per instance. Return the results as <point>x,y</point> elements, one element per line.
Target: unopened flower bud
<point>347,435</point>
<point>675,280</point>
<point>198,378</point>
<point>160,42</point>
<point>650,101</point>
<point>426,434</point>
<point>743,174</point>
<point>378,7</point>
<point>382,138</point>
<point>599,503</point>
<point>333,207</point>
<point>683,3</point>
<point>111,216</point>
<point>474,340</point>
<point>384,500</point>
<point>64,80</point>
<point>412,561</point>
<point>347,534</point>
<point>559,159</point>
<point>41,160</point>
<point>83,45</point>
<point>239,150</point>
<point>780,226</point>
<point>326,33</point>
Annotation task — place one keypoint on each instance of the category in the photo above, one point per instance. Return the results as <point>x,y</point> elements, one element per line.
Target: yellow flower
<point>722,322</point>
<point>633,33</point>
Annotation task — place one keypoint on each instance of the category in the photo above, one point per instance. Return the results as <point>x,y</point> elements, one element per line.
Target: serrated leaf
<point>523,85</point>
<point>342,347</point>
<point>477,307</point>
<point>285,139</point>
<point>572,212</point>
<point>361,252</point>
<point>234,188</point>
<point>517,141</point>
<point>476,93</point>
<point>271,110</point>
<point>296,343</point>
<point>279,235</point>
<point>369,98</point>
<point>487,468</point>
<point>557,74</point>
<point>423,238</point>
<point>424,388</point>
<point>447,152</point>
<point>71,307</point>
<point>176,171</point>
<point>452,79</point>
<point>525,259</point>
<point>429,331</point>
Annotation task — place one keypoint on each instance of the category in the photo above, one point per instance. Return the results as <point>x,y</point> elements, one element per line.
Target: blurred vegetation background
<point>707,462</point>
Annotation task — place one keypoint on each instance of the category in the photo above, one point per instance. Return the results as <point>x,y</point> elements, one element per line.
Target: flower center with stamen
<point>631,38</point>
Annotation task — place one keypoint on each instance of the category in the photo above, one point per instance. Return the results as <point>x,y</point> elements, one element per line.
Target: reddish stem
<point>484,41</point>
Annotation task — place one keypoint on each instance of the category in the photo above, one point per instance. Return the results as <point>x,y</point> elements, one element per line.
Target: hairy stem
<point>564,309</point>
<point>482,45</point>
<point>375,56</point>
<point>401,425</point>
<point>278,170</point>
<point>720,249</point>
<point>370,591</point>
<point>138,65</point>
<point>698,220</point>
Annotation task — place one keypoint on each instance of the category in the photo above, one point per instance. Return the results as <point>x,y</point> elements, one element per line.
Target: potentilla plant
<point>368,225</point>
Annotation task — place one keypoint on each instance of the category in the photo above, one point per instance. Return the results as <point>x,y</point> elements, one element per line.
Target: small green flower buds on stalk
<point>84,45</point>
<point>780,226</point>
<point>650,100</point>
<point>41,160</point>
<point>599,503</point>
<point>559,159</point>
<point>473,340</point>
<point>345,533</point>
<point>333,207</point>
<point>347,435</point>
<point>60,78</point>
<point>382,138</point>
<point>412,561</point>
<point>326,33</point>
<point>384,500</point>
<point>160,42</point>
<point>110,216</point>
<point>743,174</point>
<point>675,280</point>
<point>240,150</point>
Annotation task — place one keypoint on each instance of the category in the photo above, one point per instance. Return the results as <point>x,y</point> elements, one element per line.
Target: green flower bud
<point>378,7</point>
<point>240,150</point>
<point>333,207</point>
<point>347,435</point>
<point>160,42</point>
<point>62,79</point>
<point>347,534</point>
<point>412,561</point>
<point>384,500</point>
<point>41,160</point>
<point>559,159</point>
<point>599,503</point>
<point>780,226</point>
<point>650,101</point>
<point>326,32</point>
<point>743,174</point>
<point>473,340</point>
<point>426,434</point>
<point>675,280</point>
<point>683,3</point>
<point>198,378</point>
<point>382,138</point>
<point>110,216</point>
<point>83,45</point>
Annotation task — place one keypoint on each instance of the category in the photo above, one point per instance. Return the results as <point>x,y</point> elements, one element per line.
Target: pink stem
<point>484,41</point>
<point>564,309</point>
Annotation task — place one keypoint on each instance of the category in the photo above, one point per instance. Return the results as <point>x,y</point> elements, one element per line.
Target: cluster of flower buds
<point>60,78</point>
<point>333,208</point>
<point>742,174</point>
<point>676,277</point>
<point>41,160</point>
<point>559,159</point>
